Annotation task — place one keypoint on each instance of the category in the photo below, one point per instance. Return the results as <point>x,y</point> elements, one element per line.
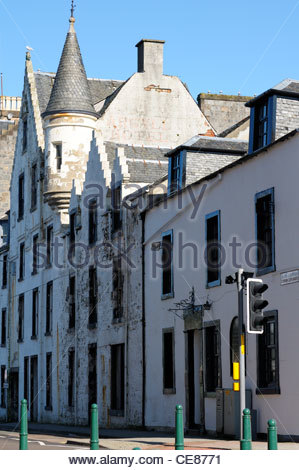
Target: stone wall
<point>223,111</point>
<point>287,116</point>
<point>7,148</point>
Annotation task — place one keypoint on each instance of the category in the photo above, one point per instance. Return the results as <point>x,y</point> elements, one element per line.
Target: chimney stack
<point>150,56</point>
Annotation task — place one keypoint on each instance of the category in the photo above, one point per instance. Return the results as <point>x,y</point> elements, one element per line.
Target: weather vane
<point>73,8</point>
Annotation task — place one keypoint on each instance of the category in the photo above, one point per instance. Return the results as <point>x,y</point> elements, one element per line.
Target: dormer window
<point>175,172</point>
<point>262,124</point>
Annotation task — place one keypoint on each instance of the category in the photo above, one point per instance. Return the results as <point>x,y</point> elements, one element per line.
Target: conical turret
<point>70,93</point>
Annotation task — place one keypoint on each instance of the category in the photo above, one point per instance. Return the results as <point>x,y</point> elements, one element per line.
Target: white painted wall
<point>233,195</point>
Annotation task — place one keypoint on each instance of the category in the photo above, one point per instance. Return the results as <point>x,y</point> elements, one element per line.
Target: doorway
<point>194,405</point>
<point>33,388</point>
<point>14,394</point>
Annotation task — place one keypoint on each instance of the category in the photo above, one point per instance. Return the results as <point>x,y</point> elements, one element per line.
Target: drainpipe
<point>142,216</point>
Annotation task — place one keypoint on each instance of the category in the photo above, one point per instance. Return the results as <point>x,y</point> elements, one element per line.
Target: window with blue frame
<point>262,124</point>
<point>176,172</point>
<point>213,249</point>
<point>264,214</point>
<point>167,268</point>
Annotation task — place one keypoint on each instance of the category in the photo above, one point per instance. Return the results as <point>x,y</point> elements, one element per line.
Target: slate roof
<point>288,87</point>
<point>70,92</point>
<point>145,164</point>
<point>213,144</point>
<point>99,88</point>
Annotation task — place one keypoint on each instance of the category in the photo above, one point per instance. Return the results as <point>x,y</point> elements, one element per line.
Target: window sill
<point>34,273</point>
<point>117,413</point>
<point>48,408</point>
<point>92,326</point>
<point>213,284</point>
<point>3,345</point>
<point>210,394</point>
<point>170,295</point>
<point>21,279</point>
<point>32,209</point>
<point>4,287</point>
<point>48,333</point>
<point>20,340</point>
<point>117,320</point>
<point>268,391</point>
<point>169,391</point>
<point>3,407</point>
<point>263,271</point>
<point>48,266</point>
<point>71,330</point>
<point>19,219</point>
<point>34,337</point>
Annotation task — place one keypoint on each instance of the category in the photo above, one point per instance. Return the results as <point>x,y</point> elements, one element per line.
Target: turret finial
<point>72,9</point>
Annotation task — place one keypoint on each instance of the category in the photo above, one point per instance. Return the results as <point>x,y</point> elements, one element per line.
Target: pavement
<point>127,439</point>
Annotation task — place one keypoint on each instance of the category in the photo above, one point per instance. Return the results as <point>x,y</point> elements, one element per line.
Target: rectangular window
<point>261,124</point>
<point>21,201</point>
<point>93,298</point>
<point>3,383</point>
<point>92,222</point>
<point>212,357</point>
<point>34,313</point>
<point>21,318</point>
<point>117,379</point>
<point>3,327</point>
<point>25,134</point>
<point>49,245</point>
<point>26,379</point>
<point>176,172</point>
<point>72,302</point>
<point>213,249</point>
<point>72,227</point>
<point>49,308</point>
<point>35,259</point>
<point>4,272</point>
<point>71,382</point>
<point>264,209</point>
<point>267,356</point>
<point>58,154</point>
<point>22,262</point>
<point>49,381</point>
<point>116,208</point>
<point>117,293</point>
<point>167,271</point>
<point>34,186</point>
<point>168,362</point>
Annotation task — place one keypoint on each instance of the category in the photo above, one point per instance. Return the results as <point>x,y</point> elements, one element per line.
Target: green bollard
<point>272,435</point>
<point>179,428</point>
<point>23,426</point>
<point>94,428</point>
<point>245,443</point>
<point>136,448</point>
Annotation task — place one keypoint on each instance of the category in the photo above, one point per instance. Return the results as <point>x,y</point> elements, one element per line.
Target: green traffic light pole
<point>23,427</point>
<point>245,443</point>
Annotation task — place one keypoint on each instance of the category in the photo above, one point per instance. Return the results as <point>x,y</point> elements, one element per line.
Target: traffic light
<point>255,305</point>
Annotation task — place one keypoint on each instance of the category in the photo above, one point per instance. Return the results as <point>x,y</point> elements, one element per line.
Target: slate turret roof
<point>70,92</point>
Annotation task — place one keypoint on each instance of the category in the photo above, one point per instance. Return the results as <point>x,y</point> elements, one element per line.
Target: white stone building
<point>73,299</point>
<point>229,213</point>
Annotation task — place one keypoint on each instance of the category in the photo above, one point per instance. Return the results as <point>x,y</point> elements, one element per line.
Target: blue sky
<point>234,46</point>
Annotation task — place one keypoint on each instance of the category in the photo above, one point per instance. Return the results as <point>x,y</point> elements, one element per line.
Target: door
<point>33,388</point>
<point>14,395</point>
